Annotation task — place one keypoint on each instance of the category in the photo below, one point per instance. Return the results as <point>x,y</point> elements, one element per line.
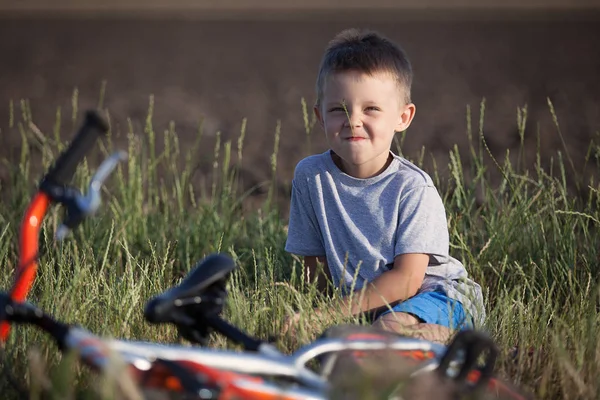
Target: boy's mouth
<point>354,138</point>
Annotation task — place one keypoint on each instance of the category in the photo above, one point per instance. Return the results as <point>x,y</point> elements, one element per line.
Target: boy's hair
<point>368,52</point>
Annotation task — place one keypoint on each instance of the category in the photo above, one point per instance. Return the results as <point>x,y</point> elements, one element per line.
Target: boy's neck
<point>364,171</point>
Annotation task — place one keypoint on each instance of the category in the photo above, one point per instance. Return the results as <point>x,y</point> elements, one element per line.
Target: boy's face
<point>360,115</point>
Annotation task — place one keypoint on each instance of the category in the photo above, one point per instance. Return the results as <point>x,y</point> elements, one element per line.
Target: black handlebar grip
<point>64,168</point>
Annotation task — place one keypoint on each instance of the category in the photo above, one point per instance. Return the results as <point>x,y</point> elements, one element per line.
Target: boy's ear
<point>317,111</point>
<point>406,116</point>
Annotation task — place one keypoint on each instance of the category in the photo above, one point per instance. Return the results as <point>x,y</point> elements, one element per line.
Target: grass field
<point>531,243</point>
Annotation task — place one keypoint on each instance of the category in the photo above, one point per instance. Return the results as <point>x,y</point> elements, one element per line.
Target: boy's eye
<point>373,108</point>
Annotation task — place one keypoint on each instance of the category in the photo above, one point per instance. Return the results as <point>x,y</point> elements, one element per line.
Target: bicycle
<point>194,306</point>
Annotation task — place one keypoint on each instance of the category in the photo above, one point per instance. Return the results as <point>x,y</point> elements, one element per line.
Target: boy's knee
<point>393,320</point>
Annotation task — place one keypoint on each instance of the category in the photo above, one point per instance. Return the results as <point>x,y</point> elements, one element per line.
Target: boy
<point>375,220</point>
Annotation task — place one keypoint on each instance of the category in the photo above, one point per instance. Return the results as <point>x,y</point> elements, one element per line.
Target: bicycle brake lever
<point>102,173</point>
<point>88,204</point>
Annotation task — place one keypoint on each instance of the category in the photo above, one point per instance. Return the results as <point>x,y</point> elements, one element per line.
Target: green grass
<point>531,244</point>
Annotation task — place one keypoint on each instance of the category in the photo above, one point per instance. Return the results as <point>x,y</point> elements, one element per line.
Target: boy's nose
<point>353,120</point>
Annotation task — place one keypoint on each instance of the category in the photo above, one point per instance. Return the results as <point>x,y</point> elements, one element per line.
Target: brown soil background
<point>223,67</point>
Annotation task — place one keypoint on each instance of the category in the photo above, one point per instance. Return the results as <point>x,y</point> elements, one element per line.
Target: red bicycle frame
<point>28,252</point>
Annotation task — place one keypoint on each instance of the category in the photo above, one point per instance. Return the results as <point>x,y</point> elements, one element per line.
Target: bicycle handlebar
<point>63,170</point>
<point>53,188</point>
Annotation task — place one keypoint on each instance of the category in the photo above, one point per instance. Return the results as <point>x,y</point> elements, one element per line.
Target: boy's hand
<point>290,323</point>
<point>311,321</point>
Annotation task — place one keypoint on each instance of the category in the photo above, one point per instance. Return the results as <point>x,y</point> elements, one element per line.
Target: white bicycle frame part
<point>270,363</point>
<point>99,353</point>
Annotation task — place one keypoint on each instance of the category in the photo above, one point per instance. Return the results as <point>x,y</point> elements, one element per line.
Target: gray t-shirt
<point>361,225</point>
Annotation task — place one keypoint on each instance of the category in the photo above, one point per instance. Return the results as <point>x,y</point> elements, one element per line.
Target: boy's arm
<point>398,284</point>
<point>312,270</point>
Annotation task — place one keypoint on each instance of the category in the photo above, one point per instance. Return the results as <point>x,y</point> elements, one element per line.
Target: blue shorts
<point>435,308</point>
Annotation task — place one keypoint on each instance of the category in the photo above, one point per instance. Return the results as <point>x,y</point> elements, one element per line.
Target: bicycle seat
<point>204,288</point>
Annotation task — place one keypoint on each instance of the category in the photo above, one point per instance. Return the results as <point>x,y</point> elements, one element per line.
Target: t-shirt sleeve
<point>304,236</point>
<point>422,225</point>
